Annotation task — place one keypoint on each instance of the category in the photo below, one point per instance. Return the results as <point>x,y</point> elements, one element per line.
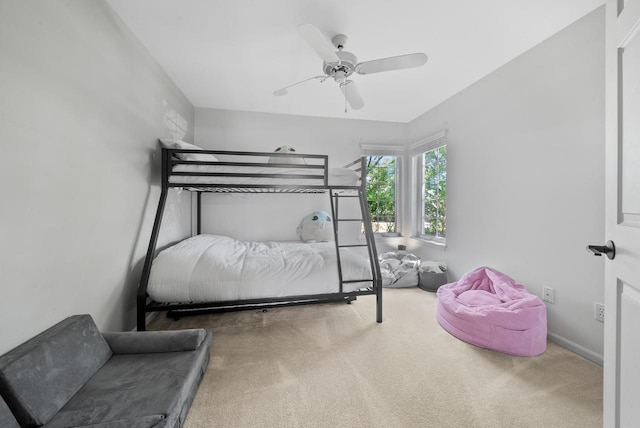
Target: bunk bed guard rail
<point>241,171</point>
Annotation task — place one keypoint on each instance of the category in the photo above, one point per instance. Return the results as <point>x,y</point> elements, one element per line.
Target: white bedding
<point>337,176</point>
<point>209,268</point>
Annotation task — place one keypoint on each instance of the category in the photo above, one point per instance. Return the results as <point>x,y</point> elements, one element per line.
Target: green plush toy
<point>316,227</point>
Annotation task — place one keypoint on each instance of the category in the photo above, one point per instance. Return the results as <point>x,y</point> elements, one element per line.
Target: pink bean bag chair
<point>488,309</point>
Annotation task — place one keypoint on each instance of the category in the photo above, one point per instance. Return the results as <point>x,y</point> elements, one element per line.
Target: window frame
<point>398,152</point>
<point>417,151</point>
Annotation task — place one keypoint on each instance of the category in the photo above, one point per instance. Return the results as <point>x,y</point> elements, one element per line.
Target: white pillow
<point>171,143</point>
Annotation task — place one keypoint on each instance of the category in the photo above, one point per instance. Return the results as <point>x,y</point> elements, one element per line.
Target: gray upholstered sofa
<point>71,375</point>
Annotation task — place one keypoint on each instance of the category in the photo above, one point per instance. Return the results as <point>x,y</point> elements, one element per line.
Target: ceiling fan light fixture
<point>340,77</point>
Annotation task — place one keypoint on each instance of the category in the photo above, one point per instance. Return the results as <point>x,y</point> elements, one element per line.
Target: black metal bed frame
<point>304,183</point>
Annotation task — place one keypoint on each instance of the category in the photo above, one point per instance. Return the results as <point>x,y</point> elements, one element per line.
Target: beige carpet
<point>332,365</point>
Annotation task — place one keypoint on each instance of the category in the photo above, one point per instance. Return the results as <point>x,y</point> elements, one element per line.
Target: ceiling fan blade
<point>352,94</point>
<point>283,91</point>
<point>392,63</point>
<point>318,42</point>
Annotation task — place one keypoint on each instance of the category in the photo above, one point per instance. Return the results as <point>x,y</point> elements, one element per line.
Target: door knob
<point>609,249</point>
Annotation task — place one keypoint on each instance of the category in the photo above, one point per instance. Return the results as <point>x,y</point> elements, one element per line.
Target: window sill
<point>381,236</point>
<point>430,242</point>
<point>387,235</point>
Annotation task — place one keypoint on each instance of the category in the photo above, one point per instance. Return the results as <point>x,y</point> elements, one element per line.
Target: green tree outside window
<point>381,193</point>
<point>434,218</point>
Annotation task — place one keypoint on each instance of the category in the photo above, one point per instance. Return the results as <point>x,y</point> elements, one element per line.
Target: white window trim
<point>399,153</point>
<point>416,150</point>
<point>431,142</point>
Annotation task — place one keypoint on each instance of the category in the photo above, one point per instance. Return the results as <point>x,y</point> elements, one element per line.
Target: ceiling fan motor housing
<point>346,65</point>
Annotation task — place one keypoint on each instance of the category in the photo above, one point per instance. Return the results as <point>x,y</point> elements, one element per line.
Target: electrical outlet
<point>598,312</point>
<point>549,294</point>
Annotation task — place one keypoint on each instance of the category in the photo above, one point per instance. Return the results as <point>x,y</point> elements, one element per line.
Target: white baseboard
<point>578,349</point>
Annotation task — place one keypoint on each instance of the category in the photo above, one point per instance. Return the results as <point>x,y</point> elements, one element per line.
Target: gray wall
<point>526,176</point>
<point>81,109</point>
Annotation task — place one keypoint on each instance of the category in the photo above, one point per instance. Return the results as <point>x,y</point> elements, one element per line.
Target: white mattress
<point>337,176</point>
<point>210,268</point>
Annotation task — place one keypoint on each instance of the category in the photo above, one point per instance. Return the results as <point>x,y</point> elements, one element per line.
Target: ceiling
<point>234,54</point>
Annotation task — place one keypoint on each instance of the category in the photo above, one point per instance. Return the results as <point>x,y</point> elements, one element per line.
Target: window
<point>381,193</point>
<point>433,223</point>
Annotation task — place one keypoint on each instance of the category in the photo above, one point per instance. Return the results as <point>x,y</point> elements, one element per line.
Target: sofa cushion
<point>137,386</point>
<point>6,417</point>
<point>40,376</point>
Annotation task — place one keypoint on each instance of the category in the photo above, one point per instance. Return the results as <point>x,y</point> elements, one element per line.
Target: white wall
<point>526,176</point>
<point>81,109</point>
<point>275,217</point>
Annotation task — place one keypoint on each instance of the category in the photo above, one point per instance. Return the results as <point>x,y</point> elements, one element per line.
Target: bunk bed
<point>215,171</point>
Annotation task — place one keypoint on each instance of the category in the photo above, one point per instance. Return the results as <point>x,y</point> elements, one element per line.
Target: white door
<point>622,274</point>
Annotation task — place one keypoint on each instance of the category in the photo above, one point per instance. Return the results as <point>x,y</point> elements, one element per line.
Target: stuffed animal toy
<point>286,149</point>
<point>316,227</point>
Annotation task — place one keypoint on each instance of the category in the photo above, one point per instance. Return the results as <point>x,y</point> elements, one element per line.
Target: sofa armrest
<point>143,342</point>
<point>7,420</point>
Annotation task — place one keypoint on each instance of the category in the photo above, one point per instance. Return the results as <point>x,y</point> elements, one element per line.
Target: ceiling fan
<point>340,64</point>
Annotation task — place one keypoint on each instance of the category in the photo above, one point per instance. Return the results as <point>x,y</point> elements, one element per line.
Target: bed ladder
<point>370,243</point>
